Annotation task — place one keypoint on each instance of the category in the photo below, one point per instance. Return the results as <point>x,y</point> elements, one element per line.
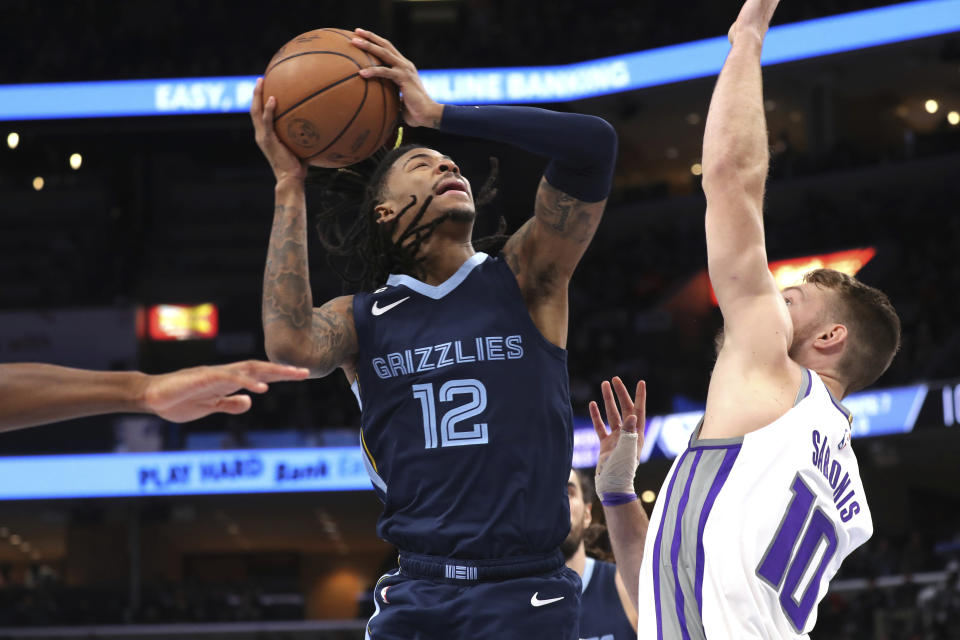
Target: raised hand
<point>419,109</point>
<point>193,393</point>
<point>631,407</point>
<point>617,462</point>
<point>285,164</point>
<point>754,19</point>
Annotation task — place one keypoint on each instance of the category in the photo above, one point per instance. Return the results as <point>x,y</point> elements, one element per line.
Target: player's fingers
<point>385,55</point>
<point>252,384</point>
<point>224,381</point>
<point>640,403</point>
<point>597,420</point>
<point>269,109</point>
<point>610,405</point>
<point>256,105</point>
<point>272,372</point>
<point>234,404</point>
<point>630,424</point>
<point>395,75</point>
<point>378,40</point>
<point>623,396</point>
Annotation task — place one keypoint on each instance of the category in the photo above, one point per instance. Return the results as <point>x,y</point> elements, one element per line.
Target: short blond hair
<point>873,327</point>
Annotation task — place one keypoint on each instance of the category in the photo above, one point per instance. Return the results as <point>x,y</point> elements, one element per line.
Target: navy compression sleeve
<point>582,149</point>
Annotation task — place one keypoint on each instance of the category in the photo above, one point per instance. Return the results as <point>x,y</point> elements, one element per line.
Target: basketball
<point>326,113</point>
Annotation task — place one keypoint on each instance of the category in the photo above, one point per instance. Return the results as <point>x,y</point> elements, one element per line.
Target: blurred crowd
<point>889,589</point>
<point>46,601</point>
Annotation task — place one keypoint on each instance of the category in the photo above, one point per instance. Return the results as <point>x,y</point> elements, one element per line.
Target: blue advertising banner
<point>880,412</point>
<point>525,85</point>
<point>875,413</point>
<point>182,473</point>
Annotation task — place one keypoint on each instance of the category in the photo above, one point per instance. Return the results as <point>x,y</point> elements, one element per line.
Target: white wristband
<point>616,473</point>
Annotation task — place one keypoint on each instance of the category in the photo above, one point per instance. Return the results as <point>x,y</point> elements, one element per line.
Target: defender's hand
<point>193,393</point>
<point>621,452</point>
<point>754,20</point>
<point>285,164</point>
<point>419,109</point>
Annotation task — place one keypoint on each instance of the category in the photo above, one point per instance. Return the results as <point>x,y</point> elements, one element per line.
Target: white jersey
<point>748,531</point>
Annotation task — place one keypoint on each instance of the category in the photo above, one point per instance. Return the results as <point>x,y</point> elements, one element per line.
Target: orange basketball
<point>326,112</point>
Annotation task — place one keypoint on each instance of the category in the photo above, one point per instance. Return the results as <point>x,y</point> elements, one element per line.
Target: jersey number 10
<point>449,436</point>
<point>776,563</point>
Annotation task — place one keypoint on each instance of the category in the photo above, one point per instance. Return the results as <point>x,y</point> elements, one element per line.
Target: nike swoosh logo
<point>537,602</point>
<point>379,311</point>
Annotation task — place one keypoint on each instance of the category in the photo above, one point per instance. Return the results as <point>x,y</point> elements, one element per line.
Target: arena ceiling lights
<point>513,85</point>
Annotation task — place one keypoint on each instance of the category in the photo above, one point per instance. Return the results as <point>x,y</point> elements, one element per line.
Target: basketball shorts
<point>543,606</point>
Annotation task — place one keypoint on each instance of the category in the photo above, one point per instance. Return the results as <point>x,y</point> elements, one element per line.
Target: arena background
<point>176,209</point>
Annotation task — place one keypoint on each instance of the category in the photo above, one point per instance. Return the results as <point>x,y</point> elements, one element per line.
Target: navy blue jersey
<point>601,612</point>
<point>467,428</point>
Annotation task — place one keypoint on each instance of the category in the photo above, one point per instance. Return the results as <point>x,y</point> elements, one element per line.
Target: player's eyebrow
<point>423,155</point>
<point>802,294</point>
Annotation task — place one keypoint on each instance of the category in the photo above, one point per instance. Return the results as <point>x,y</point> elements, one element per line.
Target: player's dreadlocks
<point>361,251</point>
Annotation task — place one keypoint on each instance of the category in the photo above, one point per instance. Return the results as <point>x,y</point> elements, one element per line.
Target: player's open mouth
<point>451,184</point>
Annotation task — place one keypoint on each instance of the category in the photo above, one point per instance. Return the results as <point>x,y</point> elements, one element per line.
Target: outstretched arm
<point>627,522</point>
<point>735,162</point>
<point>296,333</point>
<point>33,394</point>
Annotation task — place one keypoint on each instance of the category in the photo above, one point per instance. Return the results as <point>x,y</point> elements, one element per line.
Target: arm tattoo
<point>286,285</point>
<point>333,333</point>
<point>515,247</point>
<point>564,215</point>
<point>321,339</point>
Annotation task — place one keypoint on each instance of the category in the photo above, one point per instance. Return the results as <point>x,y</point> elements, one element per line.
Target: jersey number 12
<point>449,436</point>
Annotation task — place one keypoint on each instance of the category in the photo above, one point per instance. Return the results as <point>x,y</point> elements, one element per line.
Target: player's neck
<point>837,388</point>
<point>578,561</point>
<point>826,368</point>
<point>442,257</point>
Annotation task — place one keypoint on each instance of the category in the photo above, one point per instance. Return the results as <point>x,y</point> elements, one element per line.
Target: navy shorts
<point>538,607</point>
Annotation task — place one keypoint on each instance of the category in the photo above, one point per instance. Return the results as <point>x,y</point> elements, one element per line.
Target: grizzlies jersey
<point>466,422</point>
<point>601,611</point>
<point>748,531</point>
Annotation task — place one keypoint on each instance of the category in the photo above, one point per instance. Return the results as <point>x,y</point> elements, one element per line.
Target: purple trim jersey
<point>748,531</point>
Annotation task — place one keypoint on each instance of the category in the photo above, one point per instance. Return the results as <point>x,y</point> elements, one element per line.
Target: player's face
<point>580,516</point>
<point>807,304</point>
<point>575,494</point>
<point>422,175</point>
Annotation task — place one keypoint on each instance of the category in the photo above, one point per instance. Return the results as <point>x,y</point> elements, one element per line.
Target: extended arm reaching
<point>33,394</point>
<point>735,162</point>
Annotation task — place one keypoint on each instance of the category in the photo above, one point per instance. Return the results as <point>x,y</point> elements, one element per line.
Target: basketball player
<point>606,610</point>
<point>755,517</point>
<point>459,358</point>
<point>32,394</point>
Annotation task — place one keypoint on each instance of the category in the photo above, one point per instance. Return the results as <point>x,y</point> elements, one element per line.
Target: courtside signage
<point>523,85</point>
<point>182,473</point>
<point>875,413</point>
<point>114,475</point>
